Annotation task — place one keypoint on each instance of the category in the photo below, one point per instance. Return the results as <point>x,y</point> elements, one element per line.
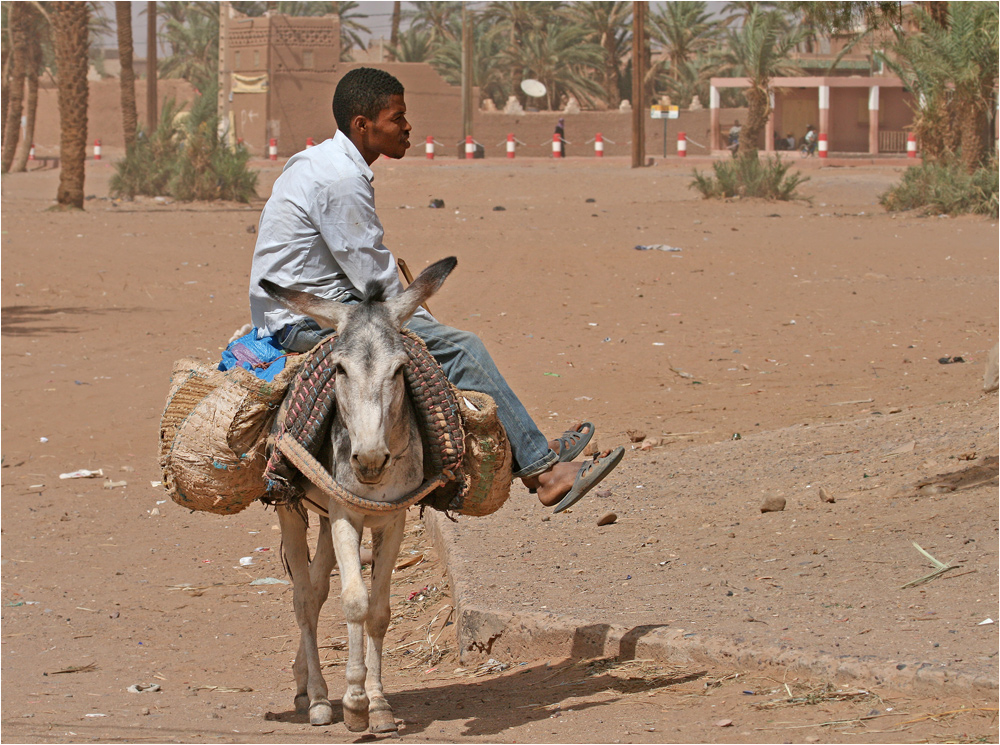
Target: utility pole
<point>152,115</point>
<point>638,84</point>
<point>466,71</point>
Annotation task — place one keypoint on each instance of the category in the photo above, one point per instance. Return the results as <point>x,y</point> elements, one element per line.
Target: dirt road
<point>811,331</point>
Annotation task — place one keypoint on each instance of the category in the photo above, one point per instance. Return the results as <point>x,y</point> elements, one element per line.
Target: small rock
<point>590,200</point>
<point>608,519</point>
<point>144,711</point>
<point>499,208</point>
<point>154,512</point>
<point>731,535</point>
<point>603,493</point>
<point>773,504</point>
<point>825,496</point>
<point>895,410</point>
<point>635,435</point>
<point>251,229</point>
<point>649,443</point>
<point>546,518</point>
<point>724,723</point>
<point>436,204</point>
<point>971,455</point>
<point>213,715</point>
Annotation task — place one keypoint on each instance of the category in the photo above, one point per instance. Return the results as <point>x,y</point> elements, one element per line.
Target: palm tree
<point>70,34</point>
<point>608,25</point>
<point>684,29</point>
<point>413,45</point>
<point>18,25</point>
<point>953,70</point>
<point>514,19</point>
<point>441,19</point>
<point>192,30</point>
<point>488,71</point>
<point>126,80</point>
<point>559,56</point>
<point>397,13</point>
<point>38,31</point>
<point>689,79</point>
<point>351,28</point>
<point>759,50</point>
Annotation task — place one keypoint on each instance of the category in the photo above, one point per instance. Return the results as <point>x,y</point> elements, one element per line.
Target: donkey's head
<point>368,361</point>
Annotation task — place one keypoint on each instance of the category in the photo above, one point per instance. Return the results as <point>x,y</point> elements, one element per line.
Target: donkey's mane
<point>374,292</point>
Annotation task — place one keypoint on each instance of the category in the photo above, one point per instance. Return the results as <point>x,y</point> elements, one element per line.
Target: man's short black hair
<point>364,91</point>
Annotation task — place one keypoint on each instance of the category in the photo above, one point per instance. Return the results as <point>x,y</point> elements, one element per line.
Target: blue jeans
<point>468,365</point>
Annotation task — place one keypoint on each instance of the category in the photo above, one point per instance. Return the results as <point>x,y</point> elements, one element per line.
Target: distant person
<point>561,131</point>
<point>734,137</point>
<point>809,140</point>
<point>789,141</point>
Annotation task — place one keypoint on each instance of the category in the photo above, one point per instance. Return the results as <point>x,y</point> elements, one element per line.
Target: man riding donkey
<point>319,233</point>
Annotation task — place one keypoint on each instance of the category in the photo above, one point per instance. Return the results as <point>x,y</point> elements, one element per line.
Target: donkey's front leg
<point>354,600</point>
<point>310,686</point>
<point>385,548</point>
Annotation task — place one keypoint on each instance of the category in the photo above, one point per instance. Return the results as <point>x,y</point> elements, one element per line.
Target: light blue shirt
<point>319,233</point>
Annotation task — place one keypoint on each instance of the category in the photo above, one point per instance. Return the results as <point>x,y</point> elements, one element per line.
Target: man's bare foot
<point>553,484</point>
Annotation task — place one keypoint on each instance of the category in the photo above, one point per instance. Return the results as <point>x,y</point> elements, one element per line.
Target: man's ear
<point>359,123</point>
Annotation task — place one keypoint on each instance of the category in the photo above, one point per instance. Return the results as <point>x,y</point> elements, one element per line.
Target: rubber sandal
<point>591,474</point>
<point>573,441</point>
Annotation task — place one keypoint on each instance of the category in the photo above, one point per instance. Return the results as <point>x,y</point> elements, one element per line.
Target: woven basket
<point>487,462</point>
<point>213,434</point>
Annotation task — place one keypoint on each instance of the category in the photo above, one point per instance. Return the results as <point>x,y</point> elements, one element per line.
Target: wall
<point>104,112</point>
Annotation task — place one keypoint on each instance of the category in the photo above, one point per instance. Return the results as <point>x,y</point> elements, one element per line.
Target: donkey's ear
<point>430,280</point>
<point>327,313</point>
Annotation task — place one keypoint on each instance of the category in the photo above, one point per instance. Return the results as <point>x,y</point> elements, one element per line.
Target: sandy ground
<point>812,331</point>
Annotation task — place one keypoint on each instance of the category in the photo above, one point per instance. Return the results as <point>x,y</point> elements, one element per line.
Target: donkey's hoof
<point>382,722</point>
<point>355,721</point>
<point>302,703</point>
<point>321,713</point>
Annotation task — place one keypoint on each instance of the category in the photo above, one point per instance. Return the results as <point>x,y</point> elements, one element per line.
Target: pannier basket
<point>213,434</point>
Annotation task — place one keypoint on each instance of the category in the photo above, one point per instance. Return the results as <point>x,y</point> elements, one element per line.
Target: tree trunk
<point>5,84</point>
<point>71,39</point>
<point>17,21</point>
<point>130,119</point>
<point>758,109</point>
<point>34,69</point>
<point>611,75</point>
<point>394,34</point>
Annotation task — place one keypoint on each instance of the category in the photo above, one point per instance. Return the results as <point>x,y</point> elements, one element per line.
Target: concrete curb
<point>484,633</point>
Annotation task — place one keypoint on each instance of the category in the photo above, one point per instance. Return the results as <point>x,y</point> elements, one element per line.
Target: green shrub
<point>186,159</point>
<point>749,176</point>
<point>946,187</point>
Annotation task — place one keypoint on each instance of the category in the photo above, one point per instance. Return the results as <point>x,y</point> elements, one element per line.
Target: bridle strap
<point>313,470</point>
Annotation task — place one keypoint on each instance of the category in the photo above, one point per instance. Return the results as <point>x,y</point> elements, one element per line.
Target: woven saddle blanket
<point>309,406</point>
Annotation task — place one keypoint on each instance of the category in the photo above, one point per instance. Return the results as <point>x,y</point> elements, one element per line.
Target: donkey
<point>376,453</point>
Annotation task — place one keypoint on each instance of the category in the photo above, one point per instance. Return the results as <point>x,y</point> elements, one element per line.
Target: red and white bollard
<point>31,152</point>
<point>310,142</point>
<point>510,146</point>
<point>823,146</point>
<point>429,147</point>
<point>97,149</point>
<point>470,148</point>
<point>682,145</point>
<point>911,145</point>
<point>556,146</point>
<point>272,149</point>
<point>599,145</point>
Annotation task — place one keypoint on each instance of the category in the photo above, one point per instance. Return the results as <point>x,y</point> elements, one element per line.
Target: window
<point>307,59</point>
<point>237,63</point>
